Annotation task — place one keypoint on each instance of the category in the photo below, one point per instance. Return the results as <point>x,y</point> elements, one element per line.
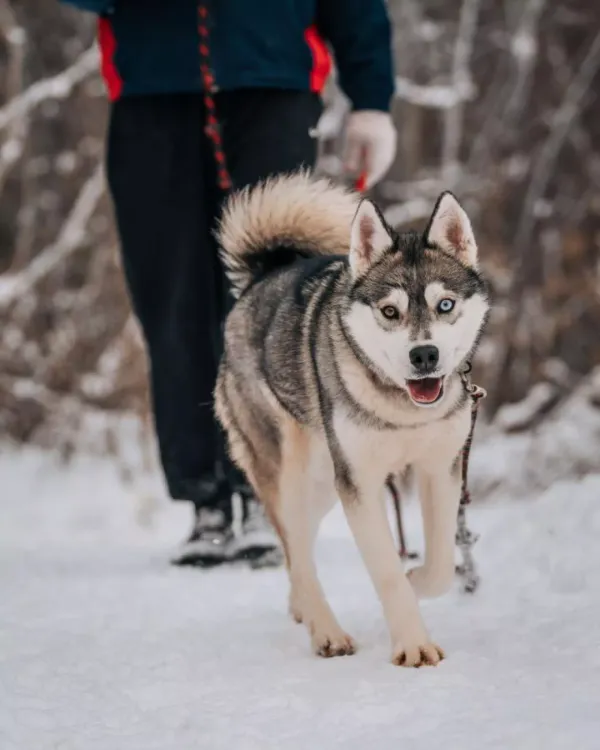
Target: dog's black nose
<point>424,358</point>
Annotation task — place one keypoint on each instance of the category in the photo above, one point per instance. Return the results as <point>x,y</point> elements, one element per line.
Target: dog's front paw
<point>426,654</point>
<point>332,642</point>
<point>294,608</point>
<point>428,585</point>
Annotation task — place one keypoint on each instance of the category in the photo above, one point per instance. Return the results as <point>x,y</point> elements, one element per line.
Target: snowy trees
<point>65,346</point>
<point>493,100</point>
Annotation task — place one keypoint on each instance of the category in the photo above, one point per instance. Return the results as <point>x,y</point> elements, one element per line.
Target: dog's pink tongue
<point>426,390</point>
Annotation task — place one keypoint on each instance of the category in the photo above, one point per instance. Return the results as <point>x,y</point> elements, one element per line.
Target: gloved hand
<point>370,145</point>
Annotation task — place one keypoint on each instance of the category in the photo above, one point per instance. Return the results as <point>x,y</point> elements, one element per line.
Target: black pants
<point>162,177</point>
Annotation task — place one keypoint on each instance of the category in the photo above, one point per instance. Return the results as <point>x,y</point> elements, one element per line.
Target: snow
<point>514,417</point>
<point>563,445</point>
<point>105,646</point>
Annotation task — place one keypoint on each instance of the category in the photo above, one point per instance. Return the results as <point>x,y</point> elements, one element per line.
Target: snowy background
<point>103,644</point>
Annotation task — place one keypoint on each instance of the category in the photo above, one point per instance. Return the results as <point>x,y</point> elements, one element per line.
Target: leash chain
<point>465,538</point>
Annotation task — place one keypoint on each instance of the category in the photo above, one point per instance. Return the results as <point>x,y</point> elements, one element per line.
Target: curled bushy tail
<point>266,227</point>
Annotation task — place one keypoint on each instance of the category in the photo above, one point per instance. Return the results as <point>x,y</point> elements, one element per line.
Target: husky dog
<point>342,365</point>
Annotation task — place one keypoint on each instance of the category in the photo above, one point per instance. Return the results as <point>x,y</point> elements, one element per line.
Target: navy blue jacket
<point>152,46</point>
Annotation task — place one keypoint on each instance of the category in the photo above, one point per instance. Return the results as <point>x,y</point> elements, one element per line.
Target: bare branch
<point>524,48</point>
<point>435,96</point>
<point>17,133</point>
<point>56,87</point>
<point>503,108</point>
<point>410,12</point>
<point>403,213</point>
<point>13,286</point>
<point>431,186</point>
<point>562,122</point>
<point>453,119</point>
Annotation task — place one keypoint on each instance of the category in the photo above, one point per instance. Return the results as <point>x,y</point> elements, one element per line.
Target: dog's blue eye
<point>446,305</point>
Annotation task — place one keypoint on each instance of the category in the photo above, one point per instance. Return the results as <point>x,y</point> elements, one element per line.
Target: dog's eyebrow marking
<point>434,292</point>
<point>397,297</point>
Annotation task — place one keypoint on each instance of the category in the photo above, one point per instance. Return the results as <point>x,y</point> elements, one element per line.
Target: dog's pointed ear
<point>370,237</point>
<point>450,229</point>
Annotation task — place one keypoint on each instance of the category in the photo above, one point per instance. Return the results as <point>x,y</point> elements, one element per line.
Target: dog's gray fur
<point>313,387</point>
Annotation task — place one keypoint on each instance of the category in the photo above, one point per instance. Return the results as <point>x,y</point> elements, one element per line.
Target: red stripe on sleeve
<point>321,67</point>
<point>108,47</point>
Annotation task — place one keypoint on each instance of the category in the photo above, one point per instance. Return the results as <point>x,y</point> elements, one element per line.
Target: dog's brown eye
<point>390,312</point>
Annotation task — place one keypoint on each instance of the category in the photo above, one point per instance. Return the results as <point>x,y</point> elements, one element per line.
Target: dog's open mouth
<point>425,390</point>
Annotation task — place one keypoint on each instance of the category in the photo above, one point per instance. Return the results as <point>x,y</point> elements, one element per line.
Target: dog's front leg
<point>439,492</point>
<point>365,511</point>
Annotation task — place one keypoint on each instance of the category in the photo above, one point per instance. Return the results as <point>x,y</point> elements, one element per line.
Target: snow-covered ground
<point>104,646</point>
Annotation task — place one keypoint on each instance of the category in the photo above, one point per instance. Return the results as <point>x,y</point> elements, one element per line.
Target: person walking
<point>207,97</point>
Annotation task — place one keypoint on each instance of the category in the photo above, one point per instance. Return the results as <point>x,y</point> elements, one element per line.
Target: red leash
<point>212,127</point>
<point>361,183</point>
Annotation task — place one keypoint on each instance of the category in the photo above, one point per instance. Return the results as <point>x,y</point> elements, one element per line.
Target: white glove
<point>370,145</point>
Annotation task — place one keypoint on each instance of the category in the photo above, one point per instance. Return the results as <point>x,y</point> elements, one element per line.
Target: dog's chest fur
<point>389,432</point>
<point>372,453</point>
<point>380,452</point>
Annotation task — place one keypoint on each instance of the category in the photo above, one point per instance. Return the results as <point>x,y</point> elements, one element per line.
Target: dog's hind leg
<point>252,445</point>
<point>320,498</point>
<point>439,493</point>
<point>298,514</point>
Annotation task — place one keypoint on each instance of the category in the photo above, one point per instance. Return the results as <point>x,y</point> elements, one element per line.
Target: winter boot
<point>258,543</point>
<point>211,541</point>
